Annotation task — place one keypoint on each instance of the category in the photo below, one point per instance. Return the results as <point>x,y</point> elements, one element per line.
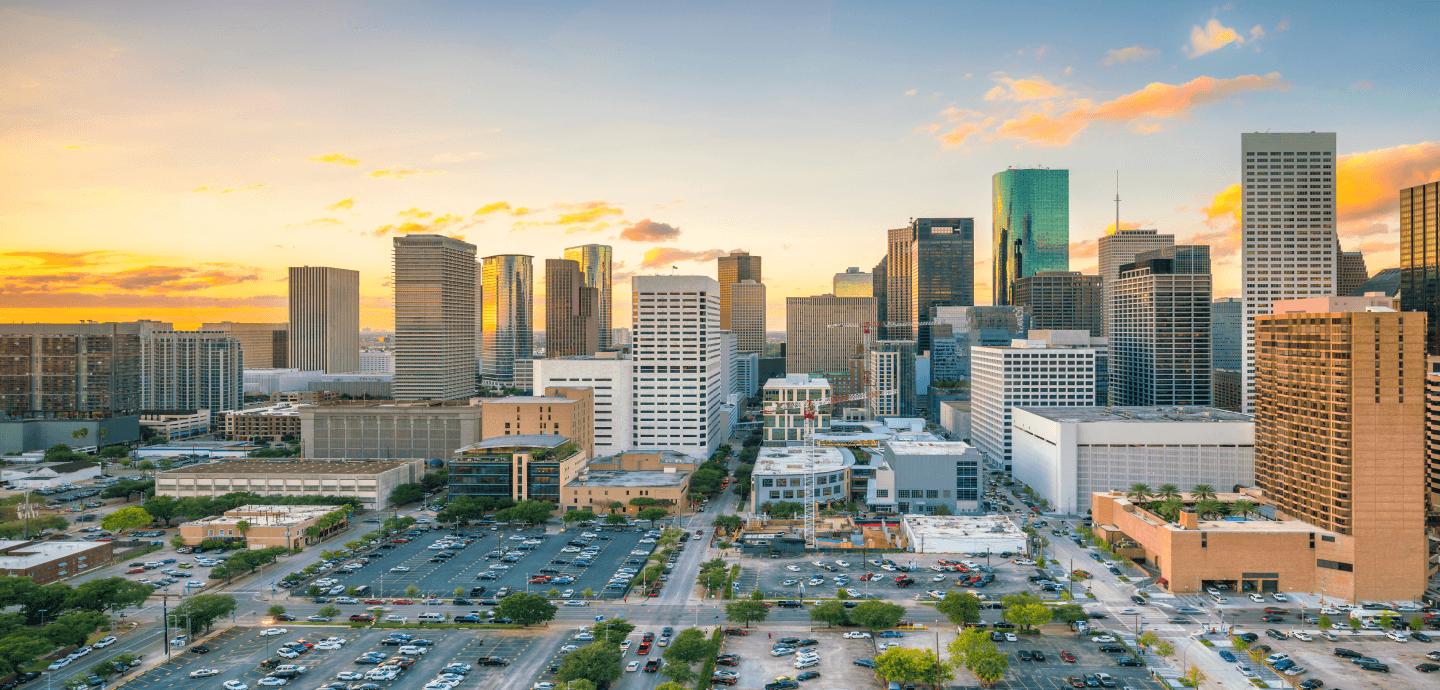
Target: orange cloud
<point>1212,38</point>
<point>1225,205</point>
<point>487,209</point>
<point>957,136</point>
<point>400,174</point>
<point>242,189</point>
<point>341,204</point>
<point>419,222</point>
<point>337,158</point>
<point>1131,54</point>
<point>1368,184</point>
<point>1124,225</point>
<point>1087,249</point>
<point>649,231</point>
<point>54,259</point>
<point>1032,89</point>
<point>586,212</point>
<point>135,279</point>
<point>663,257</point>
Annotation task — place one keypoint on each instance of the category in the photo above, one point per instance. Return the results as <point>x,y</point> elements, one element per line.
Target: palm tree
<point>1139,493</point>
<point>1202,492</point>
<point>1171,508</point>
<point>1242,508</point>
<point>1209,507</point>
<point>84,433</point>
<point>1167,492</point>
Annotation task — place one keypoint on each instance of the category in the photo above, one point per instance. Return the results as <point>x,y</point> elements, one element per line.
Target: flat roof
<point>1098,413</point>
<point>962,534</point>
<point>622,478</point>
<point>284,409</point>
<point>268,515</point>
<point>38,553</point>
<point>287,466</point>
<point>519,441</point>
<point>548,399</point>
<point>1254,525</point>
<point>797,381</point>
<point>796,461</point>
<point>666,456</point>
<point>929,447</point>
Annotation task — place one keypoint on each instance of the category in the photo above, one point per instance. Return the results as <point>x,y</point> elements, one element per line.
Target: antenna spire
<point>1117,202</point>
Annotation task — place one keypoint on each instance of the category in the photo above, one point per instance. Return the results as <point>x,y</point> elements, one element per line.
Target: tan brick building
<point>562,411</point>
<point>271,423</point>
<point>51,561</point>
<point>265,526</point>
<point>371,481</point>
<point>597,489</point>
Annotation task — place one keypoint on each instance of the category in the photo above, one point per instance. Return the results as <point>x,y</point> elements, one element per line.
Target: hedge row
<point>708,670</point>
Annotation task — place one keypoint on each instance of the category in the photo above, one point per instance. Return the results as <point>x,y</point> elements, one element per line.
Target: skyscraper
<point>507,321</point>
<point>929,263</point>
<point>74,370</point>
<point>1120,247</point>
<point>1031,214</point>
<point>853,283</point>
<point>1340,437</point>
<point>732,269</point>
<point>570,311</point>
<point>1420,256</point>
<point>596,267</point>
<point>435,290</point>
<point>676,388</point>
<point>1350,273</point>
<point>266,345</point>
<point>192,370</point>
<point>1062,301</point>
<point>1056,374</point>
<point>880,290</point>
<point>891,365</point>
<point>747,316</point>
<point>812,346</point>
<point>1159,343</point>
<point>324,319</point>
<point>1288,254</point>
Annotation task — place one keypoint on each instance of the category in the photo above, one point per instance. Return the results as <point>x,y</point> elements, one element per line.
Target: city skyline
<point>184,194</point>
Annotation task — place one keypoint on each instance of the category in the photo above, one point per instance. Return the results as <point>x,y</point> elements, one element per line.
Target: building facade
<point>921,476</point>
<point>811,345</point>
<point>610,375</point>
<point>191,370</point>
<point>597,490</point>
<point>429,429</point>
<point>853,283</point>
<point>571,311</point>
<point>177,425</point>
<point>1120,247</point>
<point>792,402</point>
<point>780,475</point>
<point>276,423</point>
<point>1227,333</point>
<point>562,411</point>
<point>265,345</point>
<point>596,268</point>
<point>324,319</point>
<point>929,263</point>
<point>1027,373</point>
<point>731,269</point>
<point>1062,301</point>
<point>265,526</point>
<point>377,362</point>
<point>507,323</point>
<point>1420,256</point>
<point>1031,213</point>
<point>677,389</point>
<point>370,481</point>
<point>891,366</point>
<point>435,291</point>
<point>1432,434</point>
<point>1289,254</point>
<point>747,316</point>
<point>45,562</point>
<point>1159,342</point>
<point>1350,273</point>
<point>70,370</point>
<point>519,468</point>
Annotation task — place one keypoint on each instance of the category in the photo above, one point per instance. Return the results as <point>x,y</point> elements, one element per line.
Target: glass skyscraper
<point>507,324</point>
<point>1420,257</point>
<point>595,266</point>
<point>1031,214</point>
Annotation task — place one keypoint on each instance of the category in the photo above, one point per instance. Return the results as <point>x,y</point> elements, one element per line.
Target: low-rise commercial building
<point>788,402</point>
<point>356,386</point>
<point>50,474</point>
<point>196,449</point>
<point>967,534</point>
<point>597,489</point>
<point>926,477</point>
<point>267,381</point>
<point>45,562</point>
<point>279,422</point>
<point>264,526</point>
<point>430,429</point>
<point>780,473</point>
<point>567,411</point>
<point>371,481</point>
<point>646,461</point>
<point>531,467</point>
<point>177,425</point>
<point>305,397</point>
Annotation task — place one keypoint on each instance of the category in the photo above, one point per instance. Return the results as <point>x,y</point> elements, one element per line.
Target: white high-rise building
<point>728,356</point>
<point>610,375</point>
<point>1288,226</point>
<point>1043,372</point>
<point>1117,249</point>
<point>677,385</point>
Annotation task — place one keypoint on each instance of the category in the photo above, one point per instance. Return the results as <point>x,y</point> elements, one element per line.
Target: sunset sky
<point>170,160</point>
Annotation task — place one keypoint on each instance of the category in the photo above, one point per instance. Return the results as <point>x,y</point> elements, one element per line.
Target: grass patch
<point>1089,595</point>
<point>708,670</point>
<point>1259,683</point>
<point>1122,578</point>
<point>1207,643</point>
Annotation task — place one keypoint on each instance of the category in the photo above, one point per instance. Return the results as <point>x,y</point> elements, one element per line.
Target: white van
<point>1219,599</point>
<point>431,617</point>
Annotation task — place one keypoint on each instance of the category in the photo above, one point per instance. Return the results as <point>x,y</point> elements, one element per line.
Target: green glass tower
<point>1031,212</point>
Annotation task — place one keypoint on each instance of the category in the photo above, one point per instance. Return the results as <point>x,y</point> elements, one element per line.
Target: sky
<point>169,160</point>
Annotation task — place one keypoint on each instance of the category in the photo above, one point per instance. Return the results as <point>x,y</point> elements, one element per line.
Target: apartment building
<point>788,402</point>
<point>379,430</point>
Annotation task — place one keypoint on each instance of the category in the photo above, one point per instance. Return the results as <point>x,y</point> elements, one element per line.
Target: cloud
<point>668,205</point>
<point>1378,247</point>
<point>1131,54</point>
<point>663,257</point>
<point>1367,183</point>
<point>346,204</point>
<point>496,207</point>
<point>134,279</point>
<point>231,190</point>
<point>400,174</point>
<point>1282,26</point>
<point>1124,225</point>
<point>1224,208</point>
<point>83,147</point>
<point>1211,38</point>
<point>1257,32</point>
<point>912,92</point>
<point>957,136</point>
<point>1087,249</point>
<point>1363,85</point>
<point>1032,89</point>
<point>649,231</point>
<point>417,221</point>
<point>336,158</point>
<point>929,129</point>
<point>585,212</point>
<point>57,259</point>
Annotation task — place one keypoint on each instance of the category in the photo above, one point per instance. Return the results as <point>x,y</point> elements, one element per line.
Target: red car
<point>402,602</point>
<point>1067,656</point>
<point>539,580</point>
<point>1272,609</point>
<point>132,571</point>
<point>654,592</point>
<point>399,541</point>
<point>867,576</point>
<point>644,648</point>
<point>374,601</point>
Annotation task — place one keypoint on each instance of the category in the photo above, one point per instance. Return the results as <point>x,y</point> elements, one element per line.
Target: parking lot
<point>837,659</point>
<point>769,575</point>
<point>1051,673</point>
<point>439,577</point>
<point>238,652</point>
<point>1318,658</point>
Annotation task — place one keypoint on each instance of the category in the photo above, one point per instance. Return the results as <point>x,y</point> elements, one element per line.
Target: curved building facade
<point>595,269</point>
<point>1031,212</point>
<point>506,322</point>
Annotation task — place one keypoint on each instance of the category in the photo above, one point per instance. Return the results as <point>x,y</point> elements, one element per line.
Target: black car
<point>782,685</point>
<point>1129,661</point>
<point>200,649</point>
<point>1138,599</point>
<point>807,642</point>
<point>867,663</point>
<point>1113,649</point>
<point>997,637</point>
<point>1023,655</point>
<point>1248,637</point>
<point>1312,684</point>
<point>1003,625</point>
<point>808,675</point>
<point>1095,615</point>
<point>492,661</point>
<point>1375,666</point>
<point>1427,668</point>
<point>1037,655</point>
<point>1417,635</point>
<point>27,676</point>
<point>285,617</point>
<point>467,618</point>
<point>788,640</point>
<point>461,602</point>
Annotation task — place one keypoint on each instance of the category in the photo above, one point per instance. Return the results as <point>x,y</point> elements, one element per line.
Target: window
<point>767,482</point>
<point>882,493</point>
<point>1335,565</point>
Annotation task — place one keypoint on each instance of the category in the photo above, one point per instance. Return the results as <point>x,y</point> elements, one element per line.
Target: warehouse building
<point>430,429</point>
<point>264,526</point>
<point>45,562</point>
<point>970,534</point>
<point>371,481</point>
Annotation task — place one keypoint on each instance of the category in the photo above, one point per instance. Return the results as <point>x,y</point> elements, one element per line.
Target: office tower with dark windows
<point>929,263</point>
<point>880,289</point>
<point>1386,282</point>
<point>747,316</point>
<point>1287,227</point>
<point>571,311</point>
<point>735,267</point>
<point>1227,335</point>
<point>1063,301</point>
<point>1350,273</point>
<point>853,283</point>
<point>324,319</point>
<point>1159,343</point>
<point>507,322</point>
<point>891,366</point>
<point>596,267</point>
<point>1030,209</point>
<point>266,345</point>
<point>435,291</point>
<point>1420,256</point>
<point>1120,247</point>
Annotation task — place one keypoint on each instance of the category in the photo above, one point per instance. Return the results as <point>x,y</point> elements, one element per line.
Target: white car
<point>235,685</point>
<point>1103,638</point>
<point>271,680</point>
<point>59,664</point>
<point>577,602</point>
<point>647,541</point>
<point>1128,612</point>
<point>105,642</point>
<point>81,652</point>
<point>632,666</point>
<point>350,675</point>
<point>327,646</point>
<point>793,568</point>
<point>395,618</point>
<point>938,578</point>
<point>377,674</point>
<point>625,646</point>
<point>1245,670</point>
<point>1280,597</point>
<point>1024,561</point>
<point>437,685</point>
<point>571,549</point>
<point>1010,637</point>
<point>288,653</point>
<point>1256,598</point>
<point>639,552</point>
<point>400,569</point>
<point>1301,636</point>
<point>179,641</point>
<point>568,648</point>
<point>816,581</point>
<point>1395,636</point>
<point>888,567</point>
<point>268,632</point>
<point>806,663</point>
<point>543,685</point>
<point>584,636</point>
<point>857,635</point>
<point>204,672</point>
<point>567,594</point>
<point>842,564</point>
<point>346,600</point>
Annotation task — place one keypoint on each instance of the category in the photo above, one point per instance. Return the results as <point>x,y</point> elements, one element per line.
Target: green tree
<point>746,611</point>
<point>126,518</point>
<point>616,506</point>
<point>612,630</point>
<point>1325,623</point>
<point>72,629</point>
<point>242,526</point>
<point>652,514</point>
<point>161,508</point>
<point>1025,610</point>
<point>275,610</point>
<point>596,662</point>
<point>1170,508</point>
<point>328,611</point>
<point>831,612</point>
<point>960,607</point>
<point>103,669</point>
<point>1201,492</point>
<point>1416,623</point>
<point>616,519</point>
<point>203,610</point>
<point>973,650</point>
<point>1209,508</point>
<point>411,591</point>
<point>578,516</point>
<point>108,594</point>
<point>145,466</point>
<point>877,615</point>
<point>1243,508</point>
<point>406,493</point>
<point>526,609</point>
<point>1139,493</point>
<point>643,502</point>
<point>1167,492</point>
<point>1194,676</point>
<point>689,647</point>
<point>1164,648</point>
<point>909,665</point>
<point>18,651</point>
<point>729,522</point>
<point>1069,613</point>
<point>1148,639</point>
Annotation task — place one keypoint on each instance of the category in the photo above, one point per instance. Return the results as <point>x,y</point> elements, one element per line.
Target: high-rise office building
<point>1340,437</point>
<point>891,366</point>
<point>812,347</point>
<point>1289,253</point>
<point>266,345</point>
<point>853,283</point>
<point>732,269</point>
<point>192,370</point>
<point>1432,433</point>
<point>1350,273</point>
<point>324,319</point>
<point>929,263</point>
<point>507,322</point>
<point>1062,301</point>
<point>1120,247</point>
<point>1057,373</point>
<point>1386,282</point>
<point>596,265</point>
<point>1031,214</point>
<point>1420,256</point>
<point>1226,333</point>
<point>571,311</point>
<point>435,309</point>
<point>747,316</point>
<point>676,390</point>
<point>68,370</point>
<point>878,287</point>
<point>1159,340</point>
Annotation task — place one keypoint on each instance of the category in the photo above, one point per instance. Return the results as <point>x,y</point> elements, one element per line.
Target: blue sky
<point>167,159</point>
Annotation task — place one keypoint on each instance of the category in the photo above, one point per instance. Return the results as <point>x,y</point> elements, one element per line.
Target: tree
<point>616,519</point>
<point>1325,623</point>
<point>1171,507</point>
<point>108,594</point>
<point>746,611</point>
<point>960,607</point>
<point>1194,676</point>
<point>1164,648</point>
<point>1243,508</point>
<point>126,518</point>
<point>578,516</point>
<point>652,514</point>
<point>612,630</point>
<point>616,506</point>
<point>1138,493</point>
<point>1353,622</point>
<point>588,593</point>
<point>406,493</point>
<point>1148,639</point>
<point>1201,492</point>
<point>989,667</point>
<point>314,591</point>
<point>1209,507</point>
<point>1167,492</point>
<point>328,611</point>
<point>1026,610</point>
<point>275,610</point>
<point>72,629</point>
<point>160,507</point>
<point>531,512</point>
<point>526,609</point>
<point>688,647</point>
<point>1069,613</point>
<point>1416,623</point>
<point>973,650</point>
<point>831,613</point>
<point>203,610</point>
<point>411,591</point>
<point>145,466</point>
<point>877,615</point>
<point>729,522</point>
<point>243,526</point>
<point>908,665</point>
<point>643,502</point>
<point>597,662</point>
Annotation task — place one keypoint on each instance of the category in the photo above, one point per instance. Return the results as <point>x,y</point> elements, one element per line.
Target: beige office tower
<point>570,311</point>
<point>324,319</point>
<point>853,283</point>
<point>1350,273</point>
<point>596,265</point>
<point>434,318</point>
<point>1340,437</point>
<point>265,345</point>
<point>747,316</point>
<point>1120,248</point>
<point>734,268</point>
<point>1287,227</point>
<point>812,346</point>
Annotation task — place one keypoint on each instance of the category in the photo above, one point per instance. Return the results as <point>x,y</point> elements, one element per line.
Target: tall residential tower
<point>507,322</point>
<point>596,267</point>
<point>1121,247</point>
<point>570,311</point>
<point>929,263</point>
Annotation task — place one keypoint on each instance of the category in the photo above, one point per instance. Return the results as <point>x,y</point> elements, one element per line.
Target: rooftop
<point>14,555</point>
<point>621,478</point>
<point>796,461</point>
<point>523,399</point>
<point>964,526</point>
<point>276,410</point>
<point>289,466</point>
<point>519,441</point>
<point>797,381</point>
<point>1077,415</point>
<point>278,516</point>
<point>929,447</point>
<point>666,456</point>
